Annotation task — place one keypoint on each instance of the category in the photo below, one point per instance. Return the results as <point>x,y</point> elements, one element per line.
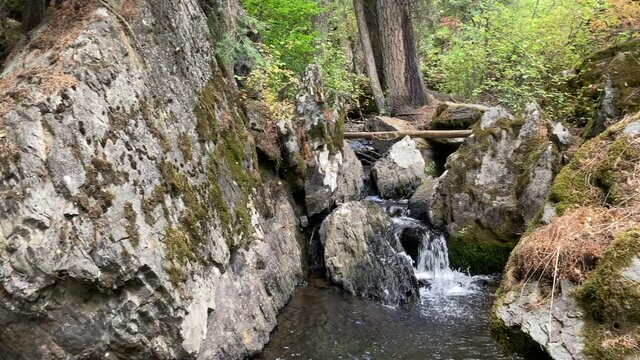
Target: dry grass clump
<point>577,240</point>
<point>571,246</point>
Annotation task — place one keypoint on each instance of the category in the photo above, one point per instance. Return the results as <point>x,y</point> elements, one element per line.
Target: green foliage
<point>509,52</point>
<point>289,28</point>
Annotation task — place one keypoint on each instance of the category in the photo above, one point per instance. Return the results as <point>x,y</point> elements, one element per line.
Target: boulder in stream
<point>401,171</point>
<point>494,186</point>
<point>364,257</point>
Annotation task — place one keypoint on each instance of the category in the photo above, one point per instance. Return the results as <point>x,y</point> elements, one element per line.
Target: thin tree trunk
<point>405,88</point>
<point>369,59</point>
<point>33,14</point>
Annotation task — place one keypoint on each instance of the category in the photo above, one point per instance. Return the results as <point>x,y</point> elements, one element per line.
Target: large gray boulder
<point>364,257</point>
<point>131,205</point>
<point>399,173</point>
<point>493,187</point>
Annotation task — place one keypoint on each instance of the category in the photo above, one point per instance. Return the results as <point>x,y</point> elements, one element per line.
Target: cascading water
<point>450,322</point>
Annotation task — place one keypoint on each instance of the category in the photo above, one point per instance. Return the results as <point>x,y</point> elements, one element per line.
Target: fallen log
<point>424,134</point>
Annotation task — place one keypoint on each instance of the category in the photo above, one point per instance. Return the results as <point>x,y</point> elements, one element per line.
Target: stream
<point>450,321</point>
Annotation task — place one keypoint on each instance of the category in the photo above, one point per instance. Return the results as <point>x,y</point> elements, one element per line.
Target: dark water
<point>322,323</point>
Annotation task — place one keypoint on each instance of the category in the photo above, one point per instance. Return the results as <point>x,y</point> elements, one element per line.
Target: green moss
<point>131,228</point>
<point>611,301</point>
<point>150,202</point>
<point>206,113</point>
<point>179,251</point>
<point>185,147</point>
<point>148,116</point>
<point>479,251</point>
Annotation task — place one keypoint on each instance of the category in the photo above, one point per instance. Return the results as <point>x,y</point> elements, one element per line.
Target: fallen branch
<point>424,134</point>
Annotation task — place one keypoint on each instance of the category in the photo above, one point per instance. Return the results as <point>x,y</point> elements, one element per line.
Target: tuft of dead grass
<point>578,238</point>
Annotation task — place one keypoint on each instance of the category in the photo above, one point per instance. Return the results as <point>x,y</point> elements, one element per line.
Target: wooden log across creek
<point>424,134</point>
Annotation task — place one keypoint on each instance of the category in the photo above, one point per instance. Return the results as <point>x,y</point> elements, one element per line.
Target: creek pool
<point>322,323</point>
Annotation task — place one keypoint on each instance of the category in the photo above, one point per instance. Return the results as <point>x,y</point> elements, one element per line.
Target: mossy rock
<point>619,63</point>
<point>612,302</point>
<point>456,118</point>
<point>598,172</point>
<point>479,251</point>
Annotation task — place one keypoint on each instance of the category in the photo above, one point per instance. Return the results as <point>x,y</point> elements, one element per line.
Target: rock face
<point>363,256</point>
<point>493,187</point>
<point>334,174</point>
<point>558,333</point>
<point>131,205</point>
<point>595,313</point>
<point>401,171</point>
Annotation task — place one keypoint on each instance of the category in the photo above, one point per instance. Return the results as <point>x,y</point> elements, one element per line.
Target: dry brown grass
<point>578,238</point>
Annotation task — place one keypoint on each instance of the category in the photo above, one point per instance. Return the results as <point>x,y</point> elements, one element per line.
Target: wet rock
<point>420,202</point>
<point>363,256</point>
<point>494,186</point>
<point>401,171</point>
<point>411,240</point>
<point>456,117</point>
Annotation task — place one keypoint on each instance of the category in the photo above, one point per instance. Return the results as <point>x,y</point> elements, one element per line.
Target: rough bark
<point>404,85</point>
<point>33,14</point>
<point>369,59</point>
<point>371,15</point>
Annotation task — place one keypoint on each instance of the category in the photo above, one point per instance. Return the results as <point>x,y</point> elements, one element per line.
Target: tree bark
<point>404,85</point>
<point>371,16</point>
<point>369,59</point>
<point>33,14</point>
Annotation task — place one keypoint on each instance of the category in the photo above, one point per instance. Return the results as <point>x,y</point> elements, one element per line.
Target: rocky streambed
<point>450,320</point>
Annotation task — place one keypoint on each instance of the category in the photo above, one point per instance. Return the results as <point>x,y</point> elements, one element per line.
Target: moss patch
<point>131,228</point>
<point>612,302</point>
<point>479,251</point>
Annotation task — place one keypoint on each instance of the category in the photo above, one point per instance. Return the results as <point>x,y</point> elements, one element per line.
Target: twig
<point>553,289</point>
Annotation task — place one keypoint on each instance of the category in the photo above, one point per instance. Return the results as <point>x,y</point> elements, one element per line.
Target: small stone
<point>632,129</point>
<point>304,221</point>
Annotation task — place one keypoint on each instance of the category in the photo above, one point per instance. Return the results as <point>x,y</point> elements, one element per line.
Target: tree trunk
<point>33,14</point>
<point>371,15</point>
<point>369,59</point>
<point>404,85</point>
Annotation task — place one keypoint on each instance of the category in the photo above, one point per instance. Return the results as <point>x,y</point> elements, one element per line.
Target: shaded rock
<point>401,171</point>
<point>456,117</point>
<point>493,187</point>
<point>411,240</point>
<point>557,334</point>
<point>363,256</point>
<point>420,202</point>
<point>610,77</point>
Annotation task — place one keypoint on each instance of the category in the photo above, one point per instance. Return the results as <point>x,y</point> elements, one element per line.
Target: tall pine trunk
<point>404,85</point>
<point>369,58</point>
